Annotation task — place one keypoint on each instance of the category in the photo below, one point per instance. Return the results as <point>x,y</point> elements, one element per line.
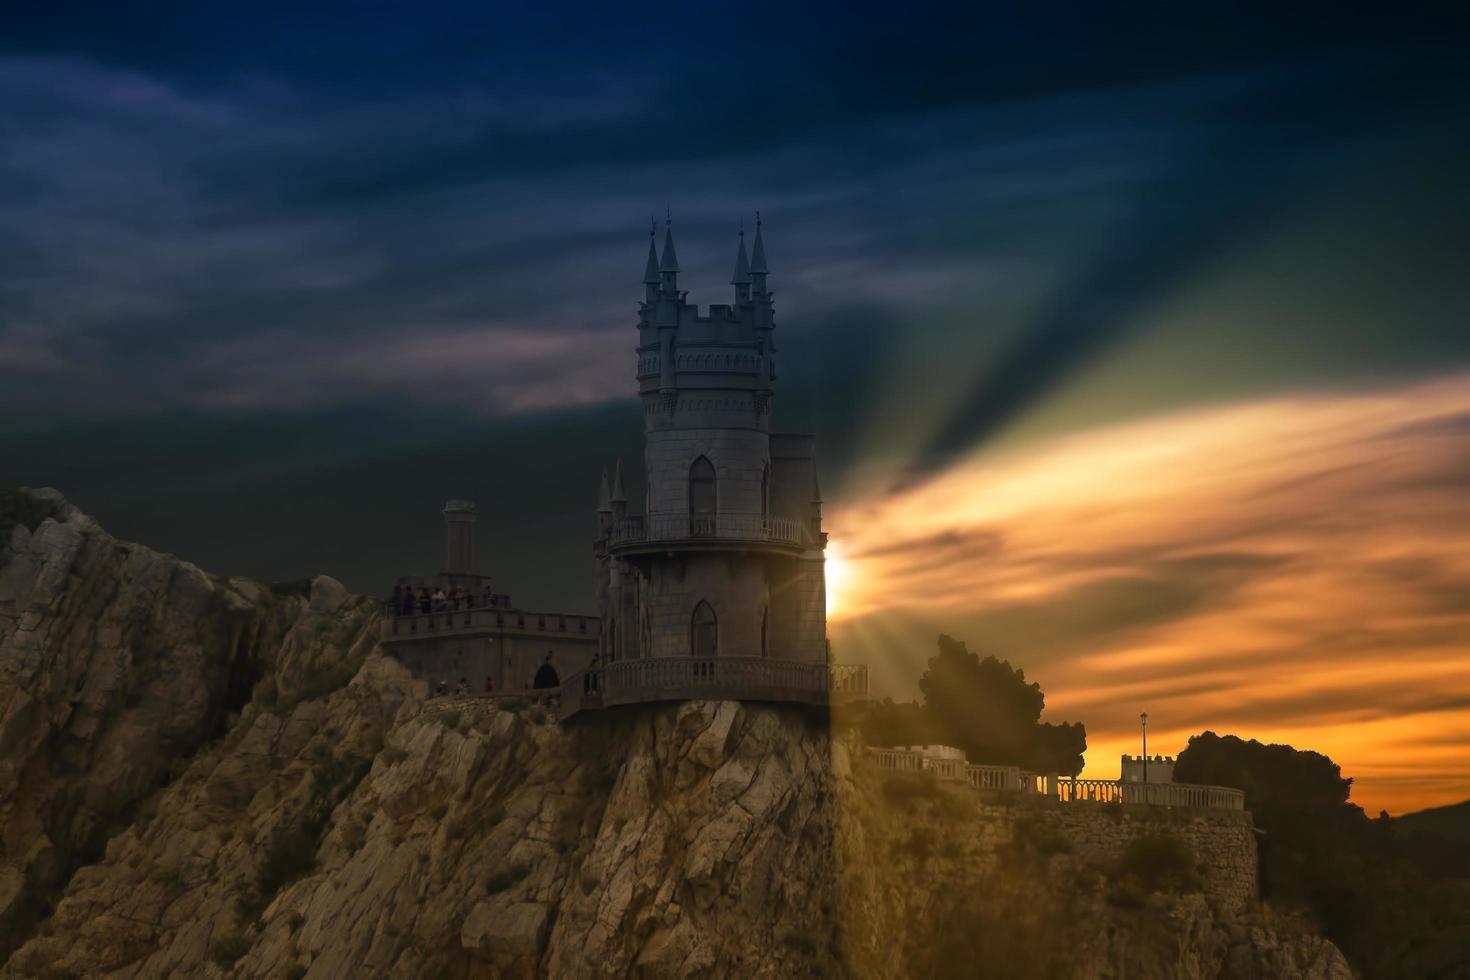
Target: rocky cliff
<point>202,776</point>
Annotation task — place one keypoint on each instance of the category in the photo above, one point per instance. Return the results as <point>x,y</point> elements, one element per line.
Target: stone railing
<point>1090,790</point>
<point>848,679</point>
<point>1185,794</point>
<point>715,678</point>
<point>485,619</point>
<point>721,527</point>
<point>1066,790</point>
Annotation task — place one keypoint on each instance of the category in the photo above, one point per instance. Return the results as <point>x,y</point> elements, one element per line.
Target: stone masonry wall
<point>739,457</point>
<point>734,586</point>
<point>1222,842</point>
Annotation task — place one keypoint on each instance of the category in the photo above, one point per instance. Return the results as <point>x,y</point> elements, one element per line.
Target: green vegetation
<point>1397,904</point>
<point>904,789</point>
<point>984,707</point>
<point>1041,837</point>
<point>1446,822</point>
<point>228,948</point>
<point>319,680</point>
<point>919,844</point>
<point>504,879</point>
<point>291,851</point>
<point>978,937</point>
<point>1160,863</point>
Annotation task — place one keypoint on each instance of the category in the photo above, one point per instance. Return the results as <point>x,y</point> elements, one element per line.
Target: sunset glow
<point>839,573</point>
<point>1292,569</point>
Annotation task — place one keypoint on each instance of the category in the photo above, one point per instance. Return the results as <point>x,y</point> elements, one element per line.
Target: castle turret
<point>650,270</point>
<point>741,277</point>
<point>758,268</point>
<point>726,566</point>
<point>619,497</point>
<point>668,266</point>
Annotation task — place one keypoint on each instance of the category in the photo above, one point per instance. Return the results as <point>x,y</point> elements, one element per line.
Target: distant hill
<point>1451,822</point>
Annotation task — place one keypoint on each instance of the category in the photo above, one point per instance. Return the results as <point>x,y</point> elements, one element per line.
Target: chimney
<point>459,528</point>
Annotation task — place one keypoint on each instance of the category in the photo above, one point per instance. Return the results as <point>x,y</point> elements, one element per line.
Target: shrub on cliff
<point>987,708</point>
<point>1396,906</point>
<point>1160,862</point>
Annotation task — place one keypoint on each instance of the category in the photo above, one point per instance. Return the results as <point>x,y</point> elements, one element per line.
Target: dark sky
<point>274,285</point>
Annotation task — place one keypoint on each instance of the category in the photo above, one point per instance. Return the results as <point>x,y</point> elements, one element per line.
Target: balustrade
<point>1066,790</point>
<point>682,527</point>
<point>756,678</point>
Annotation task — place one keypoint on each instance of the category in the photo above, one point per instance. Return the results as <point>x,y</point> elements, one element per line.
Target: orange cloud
<point>1292,569</point>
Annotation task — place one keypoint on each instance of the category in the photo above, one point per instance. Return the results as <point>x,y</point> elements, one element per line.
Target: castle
<point>717,588</point>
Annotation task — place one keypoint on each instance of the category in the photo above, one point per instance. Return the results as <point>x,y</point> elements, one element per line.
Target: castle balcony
<point>654,679</point>
<point>680,531</point>
<point>482,620</point>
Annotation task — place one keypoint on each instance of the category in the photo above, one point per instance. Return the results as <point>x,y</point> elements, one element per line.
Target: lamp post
<point>1143,720</point>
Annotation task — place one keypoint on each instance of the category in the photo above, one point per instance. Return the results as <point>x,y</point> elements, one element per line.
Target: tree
<point>886,723</point>
<point>1274,777</point>
<point>1397,905</point>
<point>987,708</point>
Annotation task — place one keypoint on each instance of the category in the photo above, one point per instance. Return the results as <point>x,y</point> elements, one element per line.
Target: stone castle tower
<point>718,587</point>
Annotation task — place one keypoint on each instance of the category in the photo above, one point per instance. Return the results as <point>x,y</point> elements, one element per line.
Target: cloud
<point>1286,566</point>
<point>149,220</point>
<point>493,369</point>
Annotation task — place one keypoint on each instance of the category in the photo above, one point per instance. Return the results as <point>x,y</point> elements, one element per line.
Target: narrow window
<point>702,498</point>
<point>647,635</point>
<point>704,635</point>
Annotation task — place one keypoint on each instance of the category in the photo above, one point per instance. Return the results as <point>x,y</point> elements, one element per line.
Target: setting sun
<point>839,580</point>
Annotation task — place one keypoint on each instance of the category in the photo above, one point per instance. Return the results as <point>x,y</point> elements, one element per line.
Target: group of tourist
<point>406,601</point>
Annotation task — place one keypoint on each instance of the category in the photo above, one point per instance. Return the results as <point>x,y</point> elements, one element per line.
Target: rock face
<point>117,665</point>
<point>207,777</point>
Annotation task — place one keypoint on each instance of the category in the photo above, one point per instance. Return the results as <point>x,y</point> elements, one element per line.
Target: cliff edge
<point>207,776</point>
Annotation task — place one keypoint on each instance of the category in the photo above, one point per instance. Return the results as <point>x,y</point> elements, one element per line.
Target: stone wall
<point>739,457</point>
<point>1094,835</point>
<point>510,660</point>
<point>1222,842</point>
<point>735,587</point>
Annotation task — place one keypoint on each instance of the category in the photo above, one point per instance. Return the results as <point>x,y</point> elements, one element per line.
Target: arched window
<point>704,632</point>
<point>702,498</point>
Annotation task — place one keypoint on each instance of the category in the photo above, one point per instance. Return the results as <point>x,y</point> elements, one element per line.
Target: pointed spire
<point>650,269</point>
<point>670,261</point>
<point>758,254</point>
<point>604,502</point>
<point>619,495</point>
<point>742,265</point>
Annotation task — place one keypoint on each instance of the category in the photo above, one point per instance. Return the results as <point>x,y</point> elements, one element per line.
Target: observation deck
<point>713,678</point>
<point>673,532</point>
